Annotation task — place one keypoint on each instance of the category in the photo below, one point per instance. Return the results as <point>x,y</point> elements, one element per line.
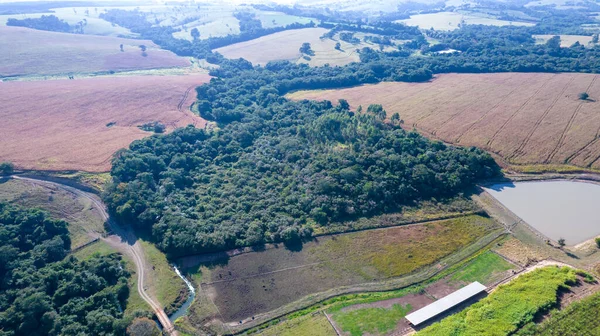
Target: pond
<point>558,209</point>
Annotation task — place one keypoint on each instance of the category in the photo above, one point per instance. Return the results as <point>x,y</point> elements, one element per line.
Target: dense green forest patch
<point>510,306</point>
<point>281,172</point>
<point>44,293</point>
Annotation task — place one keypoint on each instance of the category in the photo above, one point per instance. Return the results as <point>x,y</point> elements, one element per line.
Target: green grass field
<point>371,321</point>
<point>508,307</point>
<point>580,318</point>
<point>483,268</point>
<point>312,325</point>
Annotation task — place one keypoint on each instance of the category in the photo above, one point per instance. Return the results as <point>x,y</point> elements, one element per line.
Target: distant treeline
<point>137,22</point>
<point>45,22</point>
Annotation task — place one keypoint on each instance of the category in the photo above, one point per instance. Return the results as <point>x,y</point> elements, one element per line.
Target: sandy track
<point>125,241</point>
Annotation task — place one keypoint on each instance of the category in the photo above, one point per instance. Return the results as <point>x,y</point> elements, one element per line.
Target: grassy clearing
<point>372,321</point>
<point>580,318</point>
<point>170,290</point>
<point>484,268</point>
<point>77,211</point>
<point>453,20</point>
<point>135,302</point>
<point>257,282</point>
<point>313,325</point>
<point>510,306</point>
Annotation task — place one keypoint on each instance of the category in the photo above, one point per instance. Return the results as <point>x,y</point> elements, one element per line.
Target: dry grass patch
<point>79,124</point>
<point>524,118</point>
<point>257,282</point>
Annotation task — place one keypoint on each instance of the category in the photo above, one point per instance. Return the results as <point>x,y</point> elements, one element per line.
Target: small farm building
<point>446,303</point>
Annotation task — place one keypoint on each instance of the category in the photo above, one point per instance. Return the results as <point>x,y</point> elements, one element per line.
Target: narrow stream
<point>182,311</point>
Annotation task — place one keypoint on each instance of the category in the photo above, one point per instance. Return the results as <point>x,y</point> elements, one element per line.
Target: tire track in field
<point>185,97</point>
<point>431,113</point>
<point>568,127</point>
<point>453,116</point>
<point>514,114</point>
<point>482,117</point>
<point>519,150</point>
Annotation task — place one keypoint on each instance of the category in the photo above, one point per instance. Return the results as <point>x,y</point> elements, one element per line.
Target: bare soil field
<point>79,124</point>
<point>257,282</point>
<point>72,53</point>
<point>525,118</point>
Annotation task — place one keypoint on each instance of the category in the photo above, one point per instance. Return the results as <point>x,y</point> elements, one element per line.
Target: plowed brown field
<point>34,52</point>
<point>524,118</point>
<point>62,124</point>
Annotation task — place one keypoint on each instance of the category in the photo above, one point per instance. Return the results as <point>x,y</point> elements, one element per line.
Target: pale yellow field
<point>565,40</point>
<point>452,20</point>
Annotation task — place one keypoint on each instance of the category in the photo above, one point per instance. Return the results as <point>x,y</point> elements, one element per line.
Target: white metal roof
<point>445,303</point>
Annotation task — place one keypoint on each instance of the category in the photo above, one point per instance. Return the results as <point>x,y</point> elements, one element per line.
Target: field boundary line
<point>537,124</point>
<point>431,113</point>
<point>493,138</point>
<point>332,324</point>
<point>457,140</point>
<point>569,125</point>
<point>461,111</point>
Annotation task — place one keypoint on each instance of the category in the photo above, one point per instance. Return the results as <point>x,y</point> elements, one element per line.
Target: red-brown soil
<point>62,124</point>
<point>526,118</point>
<point>34,52</point>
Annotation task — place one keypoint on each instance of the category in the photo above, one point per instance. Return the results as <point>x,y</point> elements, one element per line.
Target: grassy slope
<point>135,301</point>
<point>77,211</point>
<point>510,306</point>
<point>169,287</point>
<point>483,268</point>
<point>316,325</point>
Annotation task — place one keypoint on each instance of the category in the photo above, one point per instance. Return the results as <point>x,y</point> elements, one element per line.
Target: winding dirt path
<point>124,240</point>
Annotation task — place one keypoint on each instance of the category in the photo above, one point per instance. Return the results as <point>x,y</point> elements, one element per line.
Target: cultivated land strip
<point>568,127</point>
<point>518,151</point>
<point>514,114</point>
<point>124,241</point>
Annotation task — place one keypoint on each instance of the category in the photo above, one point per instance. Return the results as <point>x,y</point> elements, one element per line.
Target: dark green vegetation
<point>510,306</point>
<point>275,170</point>
<point>43,294</point>
<point>45,22</point>
<point>580,318</point>
<point>280,172</point>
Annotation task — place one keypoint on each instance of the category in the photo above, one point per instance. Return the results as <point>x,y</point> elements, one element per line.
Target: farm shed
<point>446,303</point>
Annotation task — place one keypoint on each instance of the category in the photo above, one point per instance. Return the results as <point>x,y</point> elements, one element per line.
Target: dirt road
<point>124,240</point>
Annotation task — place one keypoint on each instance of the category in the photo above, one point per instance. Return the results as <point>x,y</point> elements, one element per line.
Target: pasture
<point>525,118</point>
<point>79,124</point>
<point>92,24</point>
<point>566,40</point>
<point>453,20</point>
<point>251,283</point>
<point>78,211</point>
<point>74,54</point>
<point>285,45</point>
